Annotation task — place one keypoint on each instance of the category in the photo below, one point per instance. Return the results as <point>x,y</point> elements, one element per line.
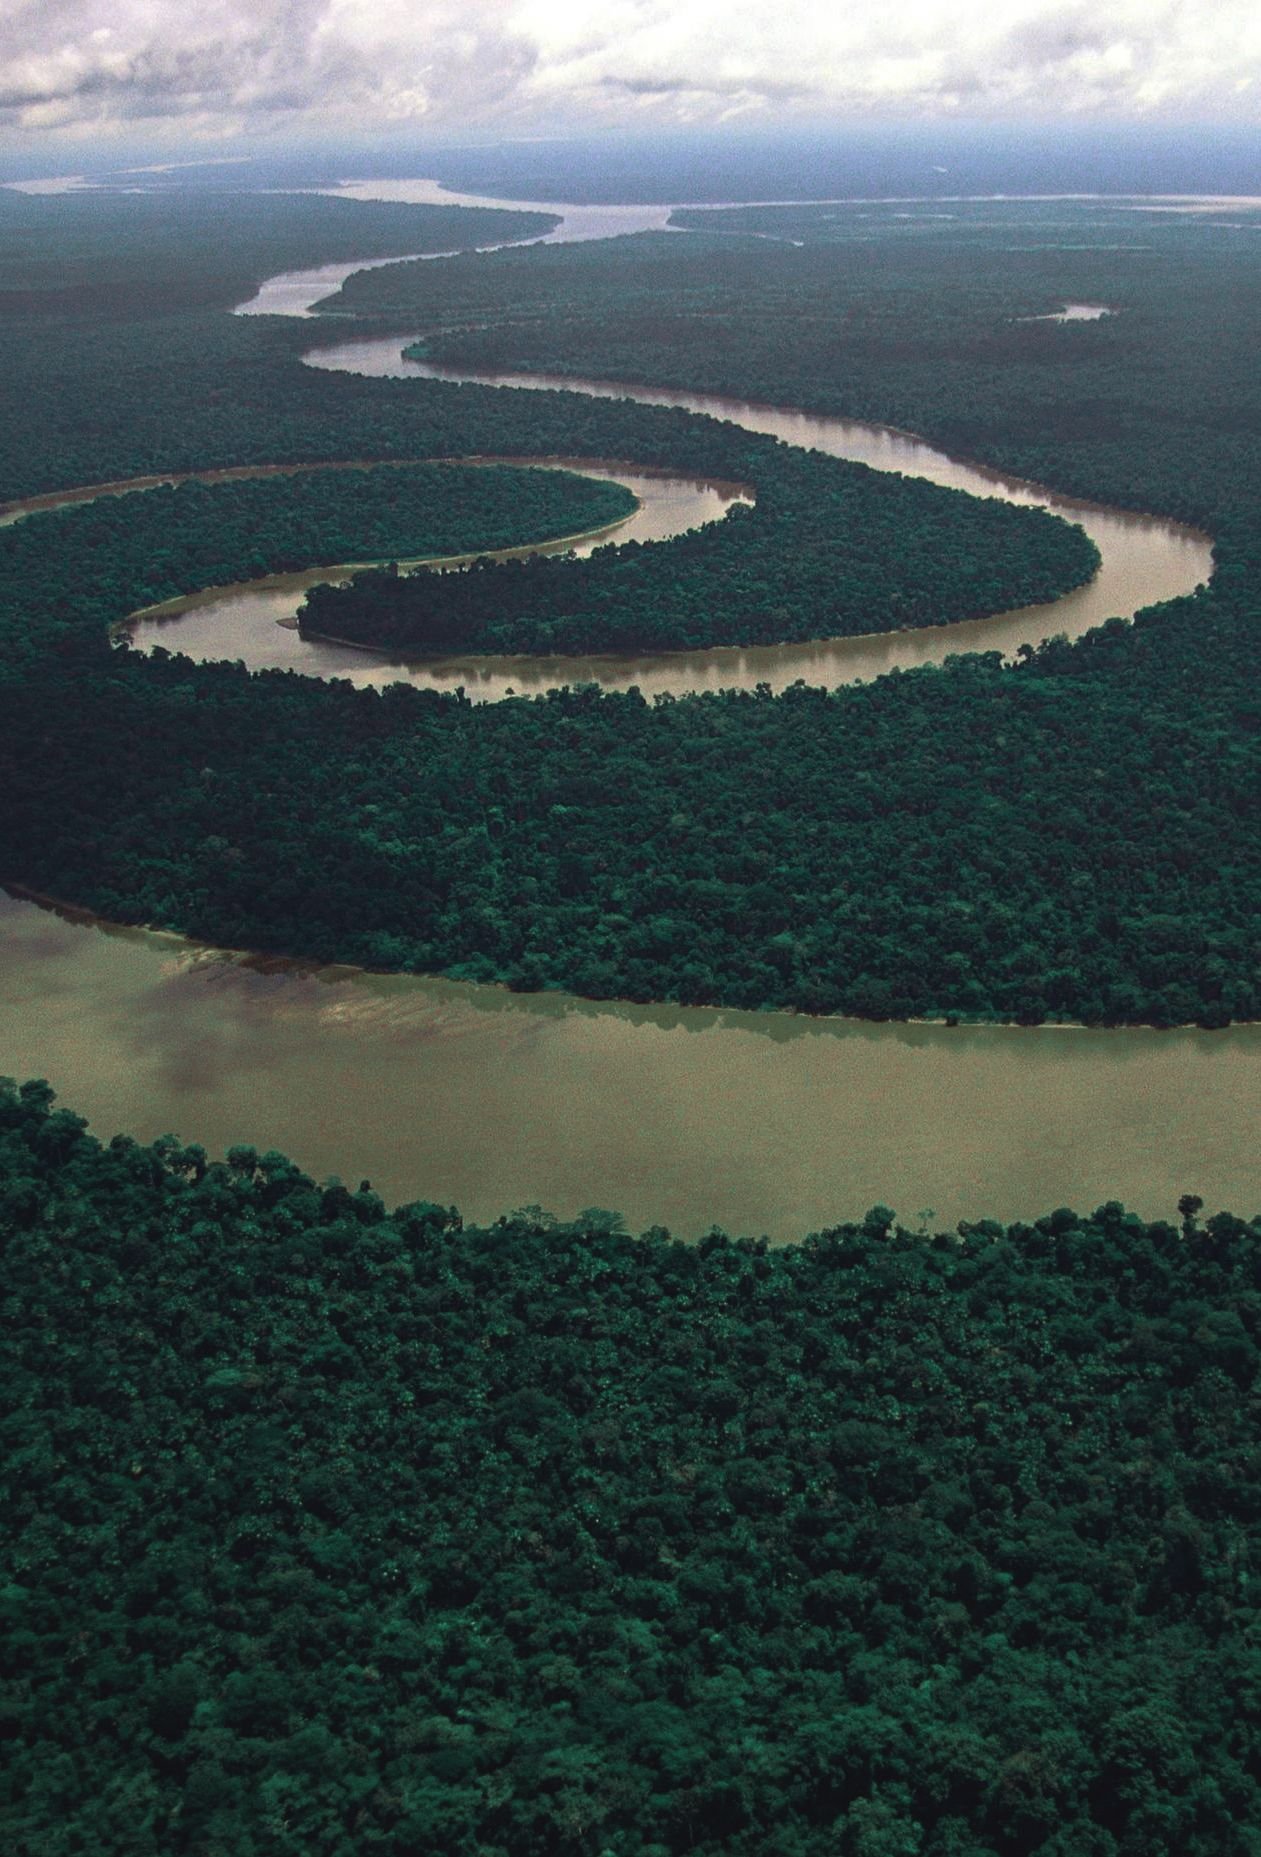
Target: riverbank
<point>685,1117</point>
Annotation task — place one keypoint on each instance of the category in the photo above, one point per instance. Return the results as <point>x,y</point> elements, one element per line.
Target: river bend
<point>1143,559</point>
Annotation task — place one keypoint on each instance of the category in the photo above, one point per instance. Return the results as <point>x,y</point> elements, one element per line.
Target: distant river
<point>1144,558</point>
<point>758,1122</point>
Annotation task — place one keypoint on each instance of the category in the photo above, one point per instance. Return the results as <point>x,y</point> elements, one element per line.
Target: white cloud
<point>223,66</point>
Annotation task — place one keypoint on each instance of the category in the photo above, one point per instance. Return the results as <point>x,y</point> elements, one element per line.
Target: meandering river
<point>1142,559</point>
<point>759,1122</point>
<point>254,621</point>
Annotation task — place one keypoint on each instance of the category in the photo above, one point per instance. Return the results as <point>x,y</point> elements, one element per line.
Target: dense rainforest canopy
<point>793,852</point>
<point>122,552</point>
<point>932,322</point>
<point>1075,836</point>
<point>331,1529</point>
<point>812,559</point>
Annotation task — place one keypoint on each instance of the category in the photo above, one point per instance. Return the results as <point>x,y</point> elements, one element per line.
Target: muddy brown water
<point>759,1122</point>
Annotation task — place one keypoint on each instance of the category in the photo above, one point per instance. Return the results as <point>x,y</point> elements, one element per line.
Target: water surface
<point>680,1116</point>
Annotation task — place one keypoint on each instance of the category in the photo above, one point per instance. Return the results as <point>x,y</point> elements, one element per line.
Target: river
<point>253,621</point>
<point>1143,558</point>
<point>684,1117</point>
<point>759,1122</point>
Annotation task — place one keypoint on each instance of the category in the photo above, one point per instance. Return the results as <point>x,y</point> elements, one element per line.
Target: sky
<point>192,75</point>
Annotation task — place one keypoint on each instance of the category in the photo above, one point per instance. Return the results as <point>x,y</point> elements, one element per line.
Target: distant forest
<point>333,1529</point>
<point>1073,837</point>
<point>77,258</point>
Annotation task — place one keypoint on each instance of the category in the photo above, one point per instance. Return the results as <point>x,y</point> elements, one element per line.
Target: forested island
<point>810,559</point>
<point>334,1528</point>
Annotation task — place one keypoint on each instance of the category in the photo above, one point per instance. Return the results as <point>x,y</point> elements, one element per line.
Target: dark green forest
<point>330,1529</point>
<point>798,852</point>
<point>809,560</point>
<point>123,552</point>
<point>337,1529</point>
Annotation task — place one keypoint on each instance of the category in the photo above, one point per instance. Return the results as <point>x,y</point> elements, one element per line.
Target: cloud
<point>675,87</point>
<point>228,66</point>
<point>254,63</point>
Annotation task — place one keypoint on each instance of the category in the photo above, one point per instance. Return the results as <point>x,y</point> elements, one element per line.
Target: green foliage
<point>874,851</point>
<point>812,559</point>
<point>335,1529</point>
<point>89,566</point>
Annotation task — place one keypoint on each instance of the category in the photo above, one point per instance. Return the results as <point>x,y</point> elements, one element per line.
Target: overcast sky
<point>208,69</point>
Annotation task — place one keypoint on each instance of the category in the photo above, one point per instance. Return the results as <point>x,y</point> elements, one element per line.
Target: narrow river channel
<point>1143,558</point>
<point>684,1117</point>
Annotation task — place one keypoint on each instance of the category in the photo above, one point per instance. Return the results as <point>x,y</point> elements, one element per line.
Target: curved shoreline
<point>308,967</point>
<point>648,393</point>
<point>329,572</point>
<point>238,620</point>
<point>79,495</point>
<point>1186,552</point>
